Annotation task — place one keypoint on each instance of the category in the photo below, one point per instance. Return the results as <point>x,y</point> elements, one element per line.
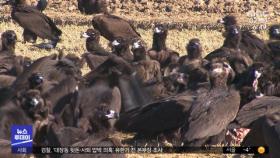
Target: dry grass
<point>72,43</point>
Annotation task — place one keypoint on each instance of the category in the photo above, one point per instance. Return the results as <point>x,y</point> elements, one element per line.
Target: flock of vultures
<point>229,97</point>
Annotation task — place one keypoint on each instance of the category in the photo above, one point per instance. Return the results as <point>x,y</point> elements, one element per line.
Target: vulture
<point>274,41</point>
<point>193,65</point>
<point>213,110</point>
<point>262,116</point>
<point>161,117</point>
<point>148,71</point>
<point>120,47</point>
<point>89,7</point>
<point>8,42</point>
<point>159,50</point>
<point>101,129</point>
<point>112,27</point>
<point>250,43</point>
<point>35,22</point>
<point>231,52</point>
<point>29,36</point>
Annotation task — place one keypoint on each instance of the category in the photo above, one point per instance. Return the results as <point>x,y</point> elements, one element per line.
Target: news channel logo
<point>21,139</point>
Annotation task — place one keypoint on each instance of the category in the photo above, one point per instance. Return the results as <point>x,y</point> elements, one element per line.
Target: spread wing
<point>251,40</point>
<point>59,95</point>
<point>211,114</point>
<point>94,61</point>
<point>156,117</point>
<point>258,108</point>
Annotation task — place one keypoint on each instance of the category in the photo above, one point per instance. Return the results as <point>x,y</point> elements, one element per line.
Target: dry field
<point>72,43</point>
<point>182,13</point>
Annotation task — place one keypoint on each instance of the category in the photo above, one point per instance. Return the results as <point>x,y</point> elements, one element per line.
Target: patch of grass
<point>72,43</point>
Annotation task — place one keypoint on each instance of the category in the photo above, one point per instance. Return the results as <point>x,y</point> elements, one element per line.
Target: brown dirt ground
<point>188,13</point>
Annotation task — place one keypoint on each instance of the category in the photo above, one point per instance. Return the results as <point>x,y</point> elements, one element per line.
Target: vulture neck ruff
<point>159,41</point>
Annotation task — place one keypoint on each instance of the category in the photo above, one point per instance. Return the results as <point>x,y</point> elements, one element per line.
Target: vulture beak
<point>136,45</point>
<point>112,115</point>
<point>157,30</point>
<point>221,21</point>
<point>235,31</point>
<point>257,74</point>
<point>34,101</point>
<point>259,95</point>
<point>276,31</point>
<point>84,35</point>
<point>115,43</point>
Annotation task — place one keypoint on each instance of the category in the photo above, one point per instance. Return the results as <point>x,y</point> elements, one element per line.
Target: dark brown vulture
<point>262,116</point>
<point>120,47</point>
<point>148,71</point>
<point>193,64</point>
<point>260,107</point>
<point>213,110</point>
<point>96,54</point>
<point>29,36</point>
<point>164,117</point>
<point>112,27</point>
<point>8,42</point>
<point>274,41</point>
<point>250,43</point>
<point>230,51</point>
<point>99,121</point>
<point>89,7</point>
<point>159,50</point>
<point>35,22</point>
<point>92,42</point>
